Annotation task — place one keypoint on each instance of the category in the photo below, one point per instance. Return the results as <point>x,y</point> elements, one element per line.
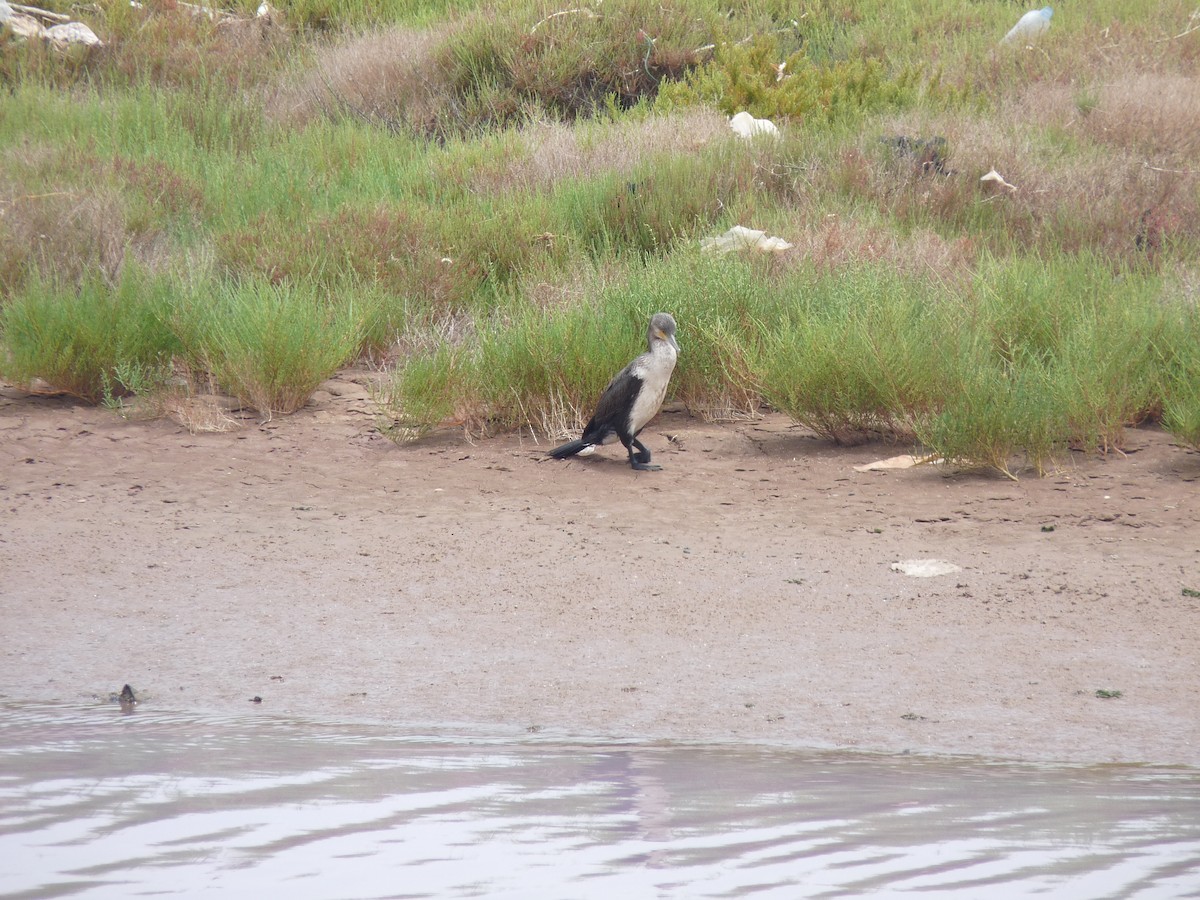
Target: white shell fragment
<point>740,238</point>
<point>746,126</point>
<point>925,568</point>
<point>903,461</point>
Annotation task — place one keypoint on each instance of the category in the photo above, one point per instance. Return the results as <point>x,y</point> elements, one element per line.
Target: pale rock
<point>72,33</point>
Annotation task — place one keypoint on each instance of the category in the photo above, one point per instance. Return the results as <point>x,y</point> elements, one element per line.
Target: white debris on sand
<point>925,568</point>
<point>903,461</point>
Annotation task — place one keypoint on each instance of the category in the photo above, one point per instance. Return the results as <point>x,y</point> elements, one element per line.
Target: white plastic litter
<point>1030,26</point>
<point>746,126</point>
<point>995,179</point>
<point>741,238</point>
<point>925,568</point>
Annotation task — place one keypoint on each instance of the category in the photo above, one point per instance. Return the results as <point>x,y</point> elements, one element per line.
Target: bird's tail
<point>570,448</point>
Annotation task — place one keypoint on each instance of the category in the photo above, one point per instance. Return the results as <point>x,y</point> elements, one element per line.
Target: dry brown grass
<point>388,78</point>
<point>169,45</point>
<point>834,242</point>
<point>1155,116</point>
<point>397,249</point>
<point>189,398</point>
<point>63,233</point>
<point>548,153</point>
<point>1114,170</point>
<point>65,212</point>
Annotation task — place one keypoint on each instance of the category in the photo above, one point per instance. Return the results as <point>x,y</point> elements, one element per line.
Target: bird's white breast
<point>654,369</point>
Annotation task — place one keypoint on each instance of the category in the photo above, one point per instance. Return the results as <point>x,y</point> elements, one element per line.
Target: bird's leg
<point>641,459</point>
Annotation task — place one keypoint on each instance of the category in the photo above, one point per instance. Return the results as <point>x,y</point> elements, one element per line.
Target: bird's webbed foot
<point>640,459</point>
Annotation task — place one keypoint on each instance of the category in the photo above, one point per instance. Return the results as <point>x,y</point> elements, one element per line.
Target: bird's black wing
<point>616,403</point>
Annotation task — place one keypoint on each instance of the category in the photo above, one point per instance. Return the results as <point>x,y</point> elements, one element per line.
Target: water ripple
<point>98,804</point>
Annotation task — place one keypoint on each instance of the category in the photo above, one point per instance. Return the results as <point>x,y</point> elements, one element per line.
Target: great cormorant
<point>632,398</point>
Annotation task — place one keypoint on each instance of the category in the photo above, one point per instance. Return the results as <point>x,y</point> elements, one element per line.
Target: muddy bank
<point>744,593</point>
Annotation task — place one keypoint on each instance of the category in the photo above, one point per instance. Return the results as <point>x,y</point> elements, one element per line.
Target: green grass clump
<point>766,79</point>
<point>1179,351</point>
<point>996,416</point>
<point>90,340</point>
<point>1181,411</point>
<point>657,204</point>
<point>1054,354</point>
<point>863,352</point>
<point>270,346</point>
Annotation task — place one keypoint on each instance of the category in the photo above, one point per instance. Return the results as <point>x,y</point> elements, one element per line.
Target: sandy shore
<point>745,593</point>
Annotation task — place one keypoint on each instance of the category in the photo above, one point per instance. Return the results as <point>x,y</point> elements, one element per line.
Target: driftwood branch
<point>38,13</point>
<point>1147,165</point>
<point>1194,17</point>
<point>14,200</point>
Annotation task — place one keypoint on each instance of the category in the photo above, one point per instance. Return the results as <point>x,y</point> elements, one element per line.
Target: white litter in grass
<point>746,126</point>
<point>741,238</point>
<point>1030,26</point>
<point>995,178</point>
<point>925,568</point>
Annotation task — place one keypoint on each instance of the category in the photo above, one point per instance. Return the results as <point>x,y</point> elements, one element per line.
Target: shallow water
<point>96,803</point>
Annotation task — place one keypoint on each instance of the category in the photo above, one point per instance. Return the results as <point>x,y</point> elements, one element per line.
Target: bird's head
<point>662,328</point>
